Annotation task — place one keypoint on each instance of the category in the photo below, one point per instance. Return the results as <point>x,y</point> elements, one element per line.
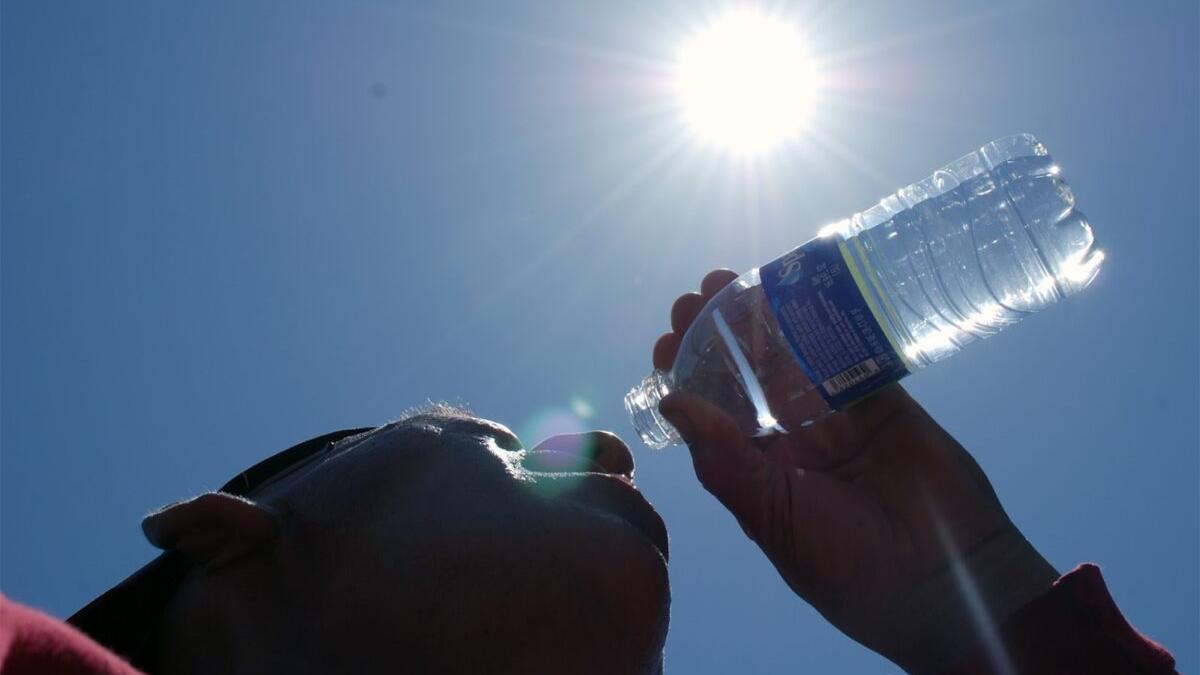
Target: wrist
<point>962,606</point>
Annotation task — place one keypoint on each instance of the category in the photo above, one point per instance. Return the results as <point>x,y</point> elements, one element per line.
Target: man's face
<point>440,544</point>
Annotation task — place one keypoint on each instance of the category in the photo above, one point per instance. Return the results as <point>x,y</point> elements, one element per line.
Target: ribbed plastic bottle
<point>985,241</point>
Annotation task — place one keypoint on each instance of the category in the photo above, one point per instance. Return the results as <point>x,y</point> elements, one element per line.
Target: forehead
<point>445,420</point>
<point>429,427</point>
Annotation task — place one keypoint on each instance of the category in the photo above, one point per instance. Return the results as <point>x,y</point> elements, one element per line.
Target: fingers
<point>685,310</point>
<point>714,281</point>
<point>688,306</point>
<point>665,350</point>
<point>728,466</point>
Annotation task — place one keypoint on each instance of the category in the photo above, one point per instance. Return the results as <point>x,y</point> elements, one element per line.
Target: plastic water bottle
<point>985,241</point>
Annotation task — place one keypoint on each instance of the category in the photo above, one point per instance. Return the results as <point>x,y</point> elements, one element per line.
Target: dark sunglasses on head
<point>245,483</point>
<point>125,618</point>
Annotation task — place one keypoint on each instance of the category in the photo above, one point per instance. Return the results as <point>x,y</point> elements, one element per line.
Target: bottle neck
<point>642,405</point>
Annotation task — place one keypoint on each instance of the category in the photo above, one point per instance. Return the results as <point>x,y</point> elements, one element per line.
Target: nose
<point>604,449</point>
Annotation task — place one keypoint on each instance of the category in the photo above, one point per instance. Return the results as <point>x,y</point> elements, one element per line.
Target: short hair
<point>435,410</point>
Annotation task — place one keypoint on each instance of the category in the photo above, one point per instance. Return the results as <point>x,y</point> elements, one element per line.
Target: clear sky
<point>229,226</point>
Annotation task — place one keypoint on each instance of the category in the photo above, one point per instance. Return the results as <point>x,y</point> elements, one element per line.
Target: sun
<point>747,82</point>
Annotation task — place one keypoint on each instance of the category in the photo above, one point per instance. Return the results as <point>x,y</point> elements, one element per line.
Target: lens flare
<point>582,408</point>
<point>566,460</point>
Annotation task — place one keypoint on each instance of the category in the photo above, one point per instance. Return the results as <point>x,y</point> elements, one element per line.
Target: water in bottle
<point>985,241</point>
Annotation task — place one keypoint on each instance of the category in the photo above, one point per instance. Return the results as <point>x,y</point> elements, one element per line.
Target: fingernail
<point>679,420</point>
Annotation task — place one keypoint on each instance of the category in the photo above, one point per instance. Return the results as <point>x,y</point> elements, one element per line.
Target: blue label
<point>827,321</point>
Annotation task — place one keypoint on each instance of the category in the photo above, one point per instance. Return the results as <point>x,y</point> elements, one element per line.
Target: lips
<point>617,495</point>
<point>601,467</point>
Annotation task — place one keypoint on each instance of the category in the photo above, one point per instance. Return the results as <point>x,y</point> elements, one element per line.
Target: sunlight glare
<point>746,82</point>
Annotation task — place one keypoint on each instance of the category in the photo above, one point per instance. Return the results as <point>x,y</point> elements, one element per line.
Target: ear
<point>212,529</point>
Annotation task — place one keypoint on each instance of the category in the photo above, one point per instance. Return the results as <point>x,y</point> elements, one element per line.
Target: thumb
<point>727,464</point>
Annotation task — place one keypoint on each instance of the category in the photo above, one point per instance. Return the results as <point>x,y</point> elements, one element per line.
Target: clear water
<point>980,244</point>
<point>987,251</point>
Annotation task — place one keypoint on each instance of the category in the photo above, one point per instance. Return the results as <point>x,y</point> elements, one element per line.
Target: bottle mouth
<point>642,405</point>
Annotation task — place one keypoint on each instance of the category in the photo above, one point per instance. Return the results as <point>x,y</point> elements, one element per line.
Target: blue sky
<point>229,226</point>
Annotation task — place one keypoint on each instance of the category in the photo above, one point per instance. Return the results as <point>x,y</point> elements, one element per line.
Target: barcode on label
<point>850,377</point>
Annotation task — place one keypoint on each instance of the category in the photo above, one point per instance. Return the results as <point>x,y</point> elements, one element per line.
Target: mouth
<point>600,470</point>
<point>616,495</point>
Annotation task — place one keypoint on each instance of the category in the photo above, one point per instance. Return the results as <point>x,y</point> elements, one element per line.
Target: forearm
<point>1073,629</point>
<point>960,609</point>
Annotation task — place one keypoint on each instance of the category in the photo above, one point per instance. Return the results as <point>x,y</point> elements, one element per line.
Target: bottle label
<point>834,332</point>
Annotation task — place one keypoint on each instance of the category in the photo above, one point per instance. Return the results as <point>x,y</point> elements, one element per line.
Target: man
<point>437,543</point>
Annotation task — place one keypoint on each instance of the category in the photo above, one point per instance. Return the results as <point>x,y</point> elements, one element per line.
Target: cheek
<point>607,579</point>
<point>600,547</point>
<point>495,569</point>
<point>528,557</point>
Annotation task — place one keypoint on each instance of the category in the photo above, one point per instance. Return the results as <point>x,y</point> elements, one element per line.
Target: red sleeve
<point>1074,629</point>
<point>33,643</point>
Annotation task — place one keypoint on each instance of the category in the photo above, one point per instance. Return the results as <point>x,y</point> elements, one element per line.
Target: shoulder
<point>34,642</point>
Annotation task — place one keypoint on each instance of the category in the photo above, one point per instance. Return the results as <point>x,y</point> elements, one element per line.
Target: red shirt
<point>1074,629</point>
<point>33,643</point>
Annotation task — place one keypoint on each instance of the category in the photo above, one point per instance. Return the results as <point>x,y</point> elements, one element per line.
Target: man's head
<point>432,544</point>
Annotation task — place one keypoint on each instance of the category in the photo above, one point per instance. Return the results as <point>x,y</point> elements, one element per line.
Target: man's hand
<point>900,541</point>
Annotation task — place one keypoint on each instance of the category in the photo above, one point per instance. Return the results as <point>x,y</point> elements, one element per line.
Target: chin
<point>623,576</point>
